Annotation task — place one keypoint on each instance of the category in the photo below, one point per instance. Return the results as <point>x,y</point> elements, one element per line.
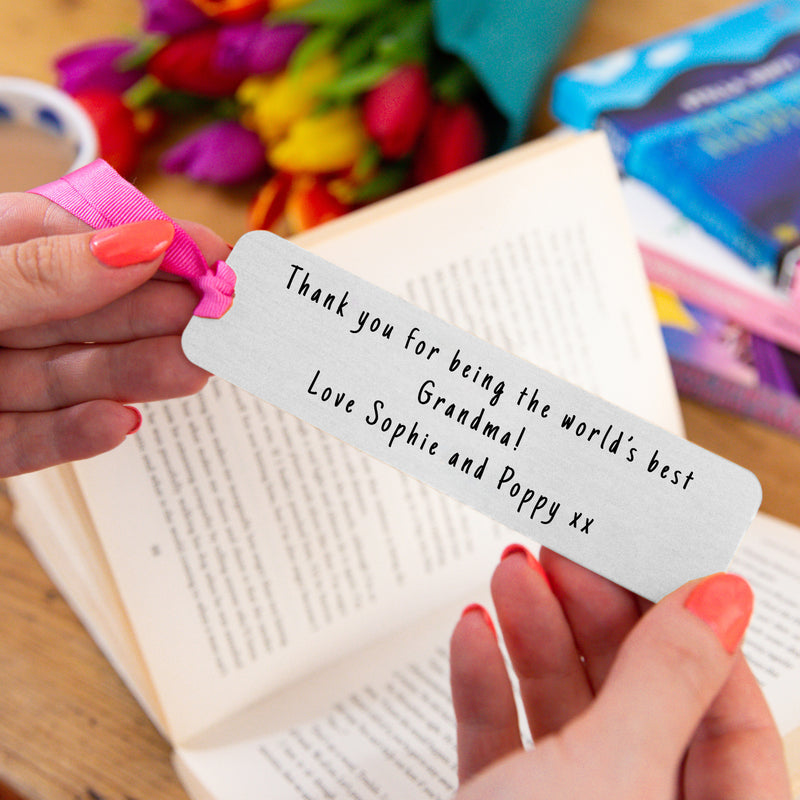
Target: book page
<point>538,258</point>
<point>382,725</point>
<point>378,725</point>
<point>268,548</point>
<point>51,516</point>
<point>250,548</point>
<point>769,558</point>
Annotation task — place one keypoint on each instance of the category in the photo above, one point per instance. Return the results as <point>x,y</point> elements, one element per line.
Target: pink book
<point>680,255</point>
<point>720,362</point>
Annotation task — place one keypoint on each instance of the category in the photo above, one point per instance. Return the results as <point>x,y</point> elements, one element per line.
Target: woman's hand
<point>621,704</point>
<point>84,330</point>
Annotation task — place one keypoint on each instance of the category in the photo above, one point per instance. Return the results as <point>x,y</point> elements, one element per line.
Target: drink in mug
<point>43,134</point>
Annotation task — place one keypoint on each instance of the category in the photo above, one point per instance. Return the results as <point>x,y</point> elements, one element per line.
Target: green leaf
<point>386,182</point>
<point>314,44</point>
<point>145,49</point>
<point>143,92</point>
<point>227,108</point>
<point>149,92</point>
<point>367,162</point>
<point>356,81</point>
<point>409,41</point>
<point>330,12</point>
<point>361,40</point>
<point>456,83</point>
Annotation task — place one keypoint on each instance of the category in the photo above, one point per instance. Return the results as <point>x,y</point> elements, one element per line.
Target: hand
<point>86,326</point>
<point>621,704</point>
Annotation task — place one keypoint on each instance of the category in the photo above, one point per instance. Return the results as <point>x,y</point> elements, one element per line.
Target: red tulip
<point>120,140</point>
<point>395,110</point>
<point>453,137</point>
<point>189,63</point>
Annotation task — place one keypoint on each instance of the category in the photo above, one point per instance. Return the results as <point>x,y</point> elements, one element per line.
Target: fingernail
<point>135,243</point>
<point>483,612</point>
<point>138,421</point>
<point>725,603</point>
<point>533,562</point>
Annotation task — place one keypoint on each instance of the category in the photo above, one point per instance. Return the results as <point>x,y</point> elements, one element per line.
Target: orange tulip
<point>232,10</point>
<point>289,204</point>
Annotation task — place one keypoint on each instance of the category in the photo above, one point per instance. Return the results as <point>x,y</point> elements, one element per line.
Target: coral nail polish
<point>138,421</point>
<point>533,562</point>
<point>134,243</point>
<point>477,607</point>
<point>725,603</point>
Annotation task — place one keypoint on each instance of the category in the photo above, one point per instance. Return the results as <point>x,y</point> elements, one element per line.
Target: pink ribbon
<point>99,196</point>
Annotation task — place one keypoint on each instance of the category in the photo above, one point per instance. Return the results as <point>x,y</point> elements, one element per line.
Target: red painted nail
<point>533,562</point>
<point>725,603</point>
<point>138,422</point>
<point>135,243</point>
<point>483,612</point>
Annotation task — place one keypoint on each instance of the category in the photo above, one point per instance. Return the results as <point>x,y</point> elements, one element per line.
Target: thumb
<point>63,276</point>
<point>668,672</point>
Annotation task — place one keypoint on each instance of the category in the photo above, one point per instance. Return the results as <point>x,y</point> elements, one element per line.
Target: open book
<point>280,603</point>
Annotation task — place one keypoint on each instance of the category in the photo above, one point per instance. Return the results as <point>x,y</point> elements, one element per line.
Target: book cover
<point>680,254</point>
<point>716,360</point>
<point>708,115</point>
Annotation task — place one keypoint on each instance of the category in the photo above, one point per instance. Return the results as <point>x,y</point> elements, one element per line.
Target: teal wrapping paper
<point>511,46</point>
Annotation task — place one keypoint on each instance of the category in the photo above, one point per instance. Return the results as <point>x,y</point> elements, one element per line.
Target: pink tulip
<point>96,66</point>
<point>257,48</point>
<point>172,17</point>
<point>223,153</point>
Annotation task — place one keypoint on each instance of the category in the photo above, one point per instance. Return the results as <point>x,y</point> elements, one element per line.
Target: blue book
<point>709,115</point>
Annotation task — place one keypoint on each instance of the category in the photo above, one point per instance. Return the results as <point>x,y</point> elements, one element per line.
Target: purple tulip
<point>95,66</point>
<point>223,152</point>
<point>172,17</point>
<point>258,48</point>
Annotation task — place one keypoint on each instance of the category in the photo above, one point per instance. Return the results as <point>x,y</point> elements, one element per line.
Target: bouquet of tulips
<point>324,104</point>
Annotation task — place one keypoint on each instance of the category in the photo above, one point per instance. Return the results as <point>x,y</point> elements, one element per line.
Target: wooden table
<point>68,727</point>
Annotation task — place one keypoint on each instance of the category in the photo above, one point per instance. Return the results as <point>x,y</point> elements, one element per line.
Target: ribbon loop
<point>99,196</point>
<point>217,287</point>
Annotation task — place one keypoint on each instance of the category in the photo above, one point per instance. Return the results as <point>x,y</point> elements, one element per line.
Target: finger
<point>600,613</point>
<point>139,371</point>
<point>552,681</point>
<point>58,277</point>
<point>664,679</point>
<point>487,727</point>
<point>29,442</point>
<point>158,308</point>
<point>212,246</point>
<point>737,752</point>
<point>30,216</point>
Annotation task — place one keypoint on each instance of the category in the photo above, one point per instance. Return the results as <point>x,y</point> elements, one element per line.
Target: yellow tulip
<point>321,143</point>
<point>273,103</point>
